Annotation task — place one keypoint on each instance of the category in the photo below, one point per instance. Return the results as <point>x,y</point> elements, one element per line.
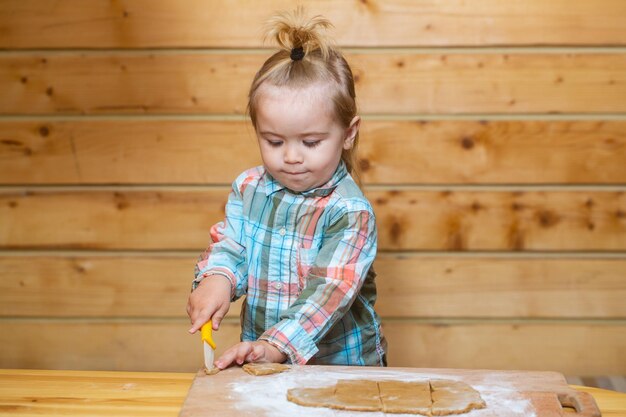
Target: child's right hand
<point>209,301</point>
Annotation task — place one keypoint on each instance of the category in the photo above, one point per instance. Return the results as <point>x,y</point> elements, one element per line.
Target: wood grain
<point>81,393</point>
<point>91,219</point>
<point>408,219</point>
<point>409,285</point>
<point>610,404</point>
<point>437,185</point>
<point>183,151</point>
<point>483,220</point>
<point>166,346</point>
<point>569,348</point>
<point>482,286</point>
<point>386,82</point>
<point>132,345</point>
<point>32,392</point>
<point>126,151</point>
<point>167,23</point>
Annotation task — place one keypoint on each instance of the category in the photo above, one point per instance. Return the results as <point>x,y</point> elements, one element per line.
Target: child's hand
<point>209,301</point>
<point>259,351</point>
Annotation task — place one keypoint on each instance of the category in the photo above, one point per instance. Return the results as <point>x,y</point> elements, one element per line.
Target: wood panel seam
<point>387,253</point>
<point>452,321</point>
<point>504,188</point>
<point>399,117</point>
<point>457,50</point>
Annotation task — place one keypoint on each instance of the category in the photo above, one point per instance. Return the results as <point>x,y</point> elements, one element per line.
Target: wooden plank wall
<point>493,150</point>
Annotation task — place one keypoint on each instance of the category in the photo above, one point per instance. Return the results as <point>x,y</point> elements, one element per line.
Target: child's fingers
<point>197,324</point>
<point>191,311</point>
<point>257,354</point>
<point>216,320</point>
<point>235,354</point>
<point>244,350</point>
<point>218,316</point>
<point>194,322</point>
<point>199,318</point>
<point>227,357</point>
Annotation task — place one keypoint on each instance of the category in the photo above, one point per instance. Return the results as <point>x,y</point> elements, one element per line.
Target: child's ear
<point>351,132</point>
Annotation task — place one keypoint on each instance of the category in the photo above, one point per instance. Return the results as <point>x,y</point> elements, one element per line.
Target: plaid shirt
<point>304,260</point>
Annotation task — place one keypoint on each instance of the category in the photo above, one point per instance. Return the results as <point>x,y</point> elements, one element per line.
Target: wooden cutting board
<point>233,392</point>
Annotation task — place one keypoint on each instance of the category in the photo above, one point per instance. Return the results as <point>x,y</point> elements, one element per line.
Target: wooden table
<point>92,393</point>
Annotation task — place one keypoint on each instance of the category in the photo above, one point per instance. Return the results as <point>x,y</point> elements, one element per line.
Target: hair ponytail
<point>295,30</point>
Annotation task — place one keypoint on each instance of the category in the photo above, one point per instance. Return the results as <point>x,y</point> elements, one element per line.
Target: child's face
<point>300,140</point>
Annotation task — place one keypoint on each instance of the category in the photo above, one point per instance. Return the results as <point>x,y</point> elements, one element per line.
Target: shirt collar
<point>272,185</point>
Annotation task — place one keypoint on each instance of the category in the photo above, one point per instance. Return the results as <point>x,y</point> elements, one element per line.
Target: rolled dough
<point>430,398</point>
<point>259,369</point>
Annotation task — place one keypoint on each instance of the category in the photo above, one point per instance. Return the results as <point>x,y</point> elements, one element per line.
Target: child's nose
<point>292,155</point>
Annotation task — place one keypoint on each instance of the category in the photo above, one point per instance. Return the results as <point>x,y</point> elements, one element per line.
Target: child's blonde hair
<point>322,62</point>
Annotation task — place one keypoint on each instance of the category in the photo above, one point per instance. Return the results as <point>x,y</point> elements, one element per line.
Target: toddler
<point>299,237</point>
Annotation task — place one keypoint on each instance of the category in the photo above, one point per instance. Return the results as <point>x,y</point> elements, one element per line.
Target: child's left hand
<point>259,351</point>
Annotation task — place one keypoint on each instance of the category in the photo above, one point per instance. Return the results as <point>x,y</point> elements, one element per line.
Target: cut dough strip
<point>259,369</point>
<point>453,397</point>
<point>405,397</point>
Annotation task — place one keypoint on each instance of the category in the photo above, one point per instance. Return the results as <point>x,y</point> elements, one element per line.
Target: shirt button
<point>282,231</point>
<point>279,285</point>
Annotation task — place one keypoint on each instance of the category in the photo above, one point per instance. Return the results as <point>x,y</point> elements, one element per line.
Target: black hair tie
<point>297,53</point>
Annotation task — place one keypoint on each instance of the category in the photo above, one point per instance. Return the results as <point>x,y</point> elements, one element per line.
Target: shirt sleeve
<point>226,255</point>
<point>332,285</point>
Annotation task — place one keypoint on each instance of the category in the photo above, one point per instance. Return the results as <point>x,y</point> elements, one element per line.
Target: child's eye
<point>311,143</point>
<point>274,143</point>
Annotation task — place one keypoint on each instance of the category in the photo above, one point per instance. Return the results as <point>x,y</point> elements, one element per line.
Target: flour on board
<point>268,395</point>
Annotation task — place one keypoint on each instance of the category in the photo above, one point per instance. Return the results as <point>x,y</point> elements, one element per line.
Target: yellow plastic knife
<point>209,346</point>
